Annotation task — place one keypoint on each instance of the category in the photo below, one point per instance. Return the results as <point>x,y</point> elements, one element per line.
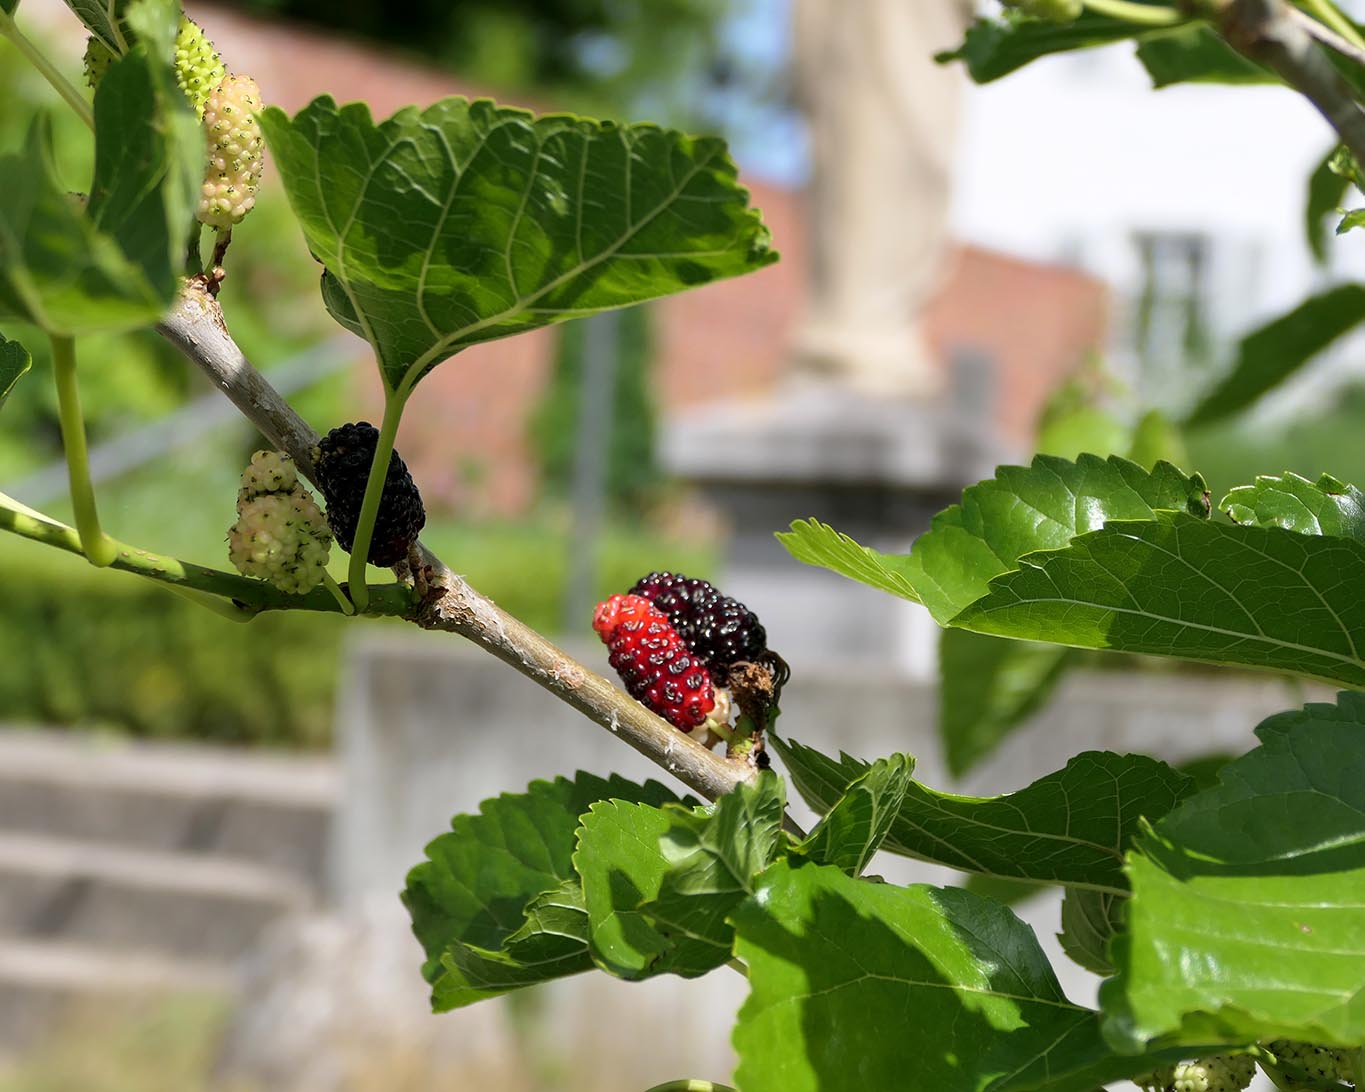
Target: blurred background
<point>1061,261</point>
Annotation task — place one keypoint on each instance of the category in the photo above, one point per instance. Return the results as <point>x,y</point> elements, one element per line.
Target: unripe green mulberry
<point>1221,1073</point>
<point>1311,1064</point>
<point>236,152</point>
<point>98,58</point>
<point>198,68</point>
<point>281,535</point>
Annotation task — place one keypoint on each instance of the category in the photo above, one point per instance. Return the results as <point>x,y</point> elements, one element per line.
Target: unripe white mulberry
<point>1220,1073</point>
<point>236,152</point>
<point>1318,1064</point>
<point>268,472</point>
<point>98,58</point>
<point>198,68</point>
<point>280,536</point>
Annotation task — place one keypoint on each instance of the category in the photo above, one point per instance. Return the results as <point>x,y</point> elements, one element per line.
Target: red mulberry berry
<point>654,662</point>
<point>719,629</point>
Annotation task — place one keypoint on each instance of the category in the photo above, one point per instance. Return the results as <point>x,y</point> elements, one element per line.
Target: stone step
<point>205,908</point>
<point>39,979</point>
<point>274,810</point>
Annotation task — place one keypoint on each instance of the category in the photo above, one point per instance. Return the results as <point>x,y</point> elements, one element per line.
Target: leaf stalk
<point>374,492</point>
<point>38,59</point>
<point>1148,15</point>
<point>99,548</point>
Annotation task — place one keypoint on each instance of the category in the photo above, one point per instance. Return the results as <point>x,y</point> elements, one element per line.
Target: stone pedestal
<point>876,469</point>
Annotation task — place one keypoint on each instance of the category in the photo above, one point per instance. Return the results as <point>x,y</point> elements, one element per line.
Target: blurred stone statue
<point>882,117</point>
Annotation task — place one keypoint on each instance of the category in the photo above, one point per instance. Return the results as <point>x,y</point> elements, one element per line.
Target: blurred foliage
<point>594,55</point>
<point>1310,443</point>
<point>142,1046</point>
<point>632,470</point>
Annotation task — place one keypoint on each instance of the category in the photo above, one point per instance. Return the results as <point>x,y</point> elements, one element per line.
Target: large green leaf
<point>713,858</point>
<point>987,687</point>
<point>857,824</point>
<point>1194,589</point>
<point>14,362</point>
<point>1070,827</point>
<point>1197,54</point>
<point>149,154</point>
<point>995,47</point>
<point>1246,919</point>
<point>971,999</point>
<point>1327,507</point>
<point>1020,510</point>
<point>466,221</point>
<point>57,270</point>
<point>479,888</point>
<point>1278,349</point>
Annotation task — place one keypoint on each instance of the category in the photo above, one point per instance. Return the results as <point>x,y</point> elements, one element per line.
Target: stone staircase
<point>128,868</point>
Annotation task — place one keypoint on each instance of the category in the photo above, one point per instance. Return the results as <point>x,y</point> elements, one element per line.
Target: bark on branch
<point>197,328</point>
<point>1271,33</point>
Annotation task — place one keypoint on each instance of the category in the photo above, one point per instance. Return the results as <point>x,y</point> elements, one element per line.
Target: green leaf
<point>1038,507</point>
<point>478,888</point>
<point>1080,429</point>
<point>994,48</point>
<point>818,544</point>
<point>1070,827</point>
<point>149,156</point>
<point>1193,589</point>
<point>1326,191</point>
<point>465,222</point>
<point>1245,922</point>
<point>1278,349</point>
<point>57,270</point>
<point>1328,507</point>
<point>855,827</point>
<point>1020,510</point>
<point>1090,919</point>
<point>103,18</point>
<point>988,686</point>
<point>14,362</point>
<point>1352,220</point>
<point>551,943</point>
<point>621,860</point>
<point>9,7</point>
<point>974,1003</point>
<point>713,857</point>
<point>1197,54</point>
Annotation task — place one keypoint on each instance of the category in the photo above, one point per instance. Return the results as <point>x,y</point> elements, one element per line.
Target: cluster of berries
<point>341,466</point>
<point>1294,1064</point>
<point>280,535</point>
<point>227,105</point>
<point>673,640</point>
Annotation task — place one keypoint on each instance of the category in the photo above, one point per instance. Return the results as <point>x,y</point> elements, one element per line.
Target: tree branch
<point>1267,32</point>
<point>197,328</point>
<point>1327,36</point>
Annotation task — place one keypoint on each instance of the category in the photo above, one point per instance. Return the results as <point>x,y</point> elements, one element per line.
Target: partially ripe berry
<point>198,68</point>
<point>719,629</point>
<point>236,152</point>
<point>98,58</point>
<point>654,664</point>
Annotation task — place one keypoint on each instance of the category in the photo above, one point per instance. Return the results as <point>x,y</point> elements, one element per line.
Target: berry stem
<point>249,596</point>
<point>369,507</point>
<point>347,607</point>
<point>691,1085</point>
<point>38,59</point>
<point>99,548</point>
<point>1149,15</point>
